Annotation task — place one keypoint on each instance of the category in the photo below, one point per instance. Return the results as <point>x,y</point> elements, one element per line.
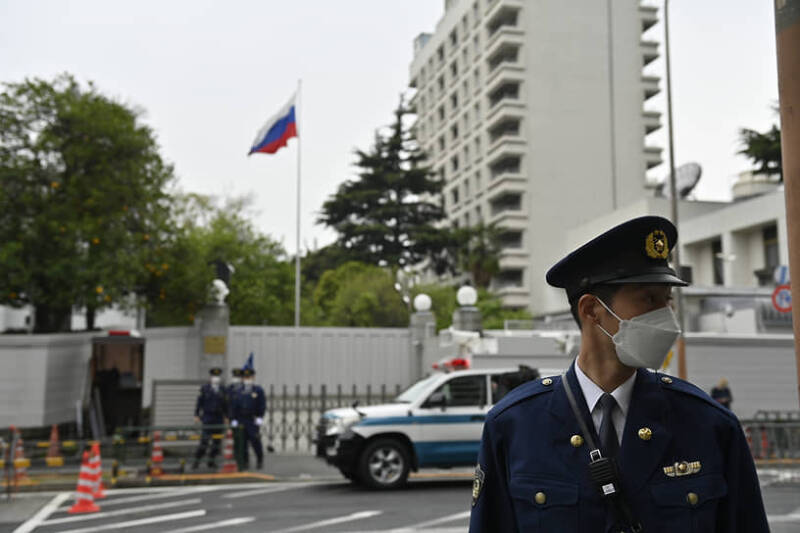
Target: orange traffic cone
<point>84,497</point>
<point>96,466</point>
<point>54,457</point>
<point>228,461</point>
<point>21,463</point>
<point>157,455</point>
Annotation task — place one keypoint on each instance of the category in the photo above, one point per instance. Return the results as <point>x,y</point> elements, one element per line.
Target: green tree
<point>369,299</point>
<point>83,202</point>
<point>261,287</point>
<point>388,215</point>
<point>764,150</point>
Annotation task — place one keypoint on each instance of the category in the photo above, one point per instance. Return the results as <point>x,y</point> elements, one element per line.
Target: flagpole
<point>297,252</point>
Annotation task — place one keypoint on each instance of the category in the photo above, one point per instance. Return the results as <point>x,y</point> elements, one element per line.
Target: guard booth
<point>116,372</point>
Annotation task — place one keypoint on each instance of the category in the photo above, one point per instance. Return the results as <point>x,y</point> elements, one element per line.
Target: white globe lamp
<point>422,303</point>
<point>466,296</point>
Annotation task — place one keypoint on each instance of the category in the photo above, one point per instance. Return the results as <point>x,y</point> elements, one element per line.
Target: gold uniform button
<point>540,498</point>
<point>576,441</point>
<point>645,433</point>
<point>666,379</point>
<point>692,498</point>
<point>547,382</point>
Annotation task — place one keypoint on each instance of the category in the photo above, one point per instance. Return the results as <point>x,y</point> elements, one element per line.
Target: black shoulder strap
<point>603,471</point>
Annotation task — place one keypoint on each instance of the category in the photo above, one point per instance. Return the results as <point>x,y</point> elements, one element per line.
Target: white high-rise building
<point>533,113</point>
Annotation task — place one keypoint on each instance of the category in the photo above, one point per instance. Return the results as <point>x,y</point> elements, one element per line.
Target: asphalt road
<point>425,506</point>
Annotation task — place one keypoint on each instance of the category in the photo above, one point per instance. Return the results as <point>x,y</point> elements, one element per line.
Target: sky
<point>208,74</point>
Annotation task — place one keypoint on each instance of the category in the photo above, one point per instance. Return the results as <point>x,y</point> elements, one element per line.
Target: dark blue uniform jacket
<point>211,405</point>
<point>532,478</point>
<point>249,403</point>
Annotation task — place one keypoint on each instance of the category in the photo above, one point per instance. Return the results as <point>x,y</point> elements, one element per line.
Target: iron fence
<point>771,440</point>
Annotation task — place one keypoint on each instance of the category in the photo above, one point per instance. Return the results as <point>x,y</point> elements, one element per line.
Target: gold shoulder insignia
<point>477,484</point>
<point>656,245</point>
<point>682,468</point>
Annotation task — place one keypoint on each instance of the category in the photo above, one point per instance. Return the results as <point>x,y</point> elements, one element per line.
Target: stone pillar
<point>423,327</point>
<point>214,325</point>
<point>467,317</point>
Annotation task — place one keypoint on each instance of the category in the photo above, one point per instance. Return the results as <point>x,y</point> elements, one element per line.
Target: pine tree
<point>388,215</point>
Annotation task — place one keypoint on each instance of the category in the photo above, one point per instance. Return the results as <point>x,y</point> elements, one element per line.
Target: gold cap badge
<point>656,245</point>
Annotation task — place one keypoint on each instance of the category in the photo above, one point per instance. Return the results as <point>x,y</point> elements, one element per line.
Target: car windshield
<point>415,390</point>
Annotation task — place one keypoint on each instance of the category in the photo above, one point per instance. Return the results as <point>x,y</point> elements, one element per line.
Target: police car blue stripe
<point>450,453</point>
<point>430,419</point>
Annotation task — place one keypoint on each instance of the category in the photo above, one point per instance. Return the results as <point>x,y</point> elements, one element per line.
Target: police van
<point>436,422</point>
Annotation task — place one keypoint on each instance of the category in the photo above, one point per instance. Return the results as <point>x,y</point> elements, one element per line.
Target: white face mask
<point>645,340</point>
<point>215,380</point>
<point>236,380</point>
<point>248,382</point>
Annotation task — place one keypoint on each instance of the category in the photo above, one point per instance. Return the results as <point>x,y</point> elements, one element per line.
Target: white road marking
<point>434,522</point>
<point>361,515</point>
<point>132,510</point>
<point>794,516</point>
<point>42,514</point>
<point>215,525</point>
<point>131,499</point>
<point>266,490</point>
<point>140,522</point>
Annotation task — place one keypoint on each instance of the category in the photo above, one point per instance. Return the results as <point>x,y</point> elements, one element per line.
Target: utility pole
<point>676,258</point>
<point>787,37</point>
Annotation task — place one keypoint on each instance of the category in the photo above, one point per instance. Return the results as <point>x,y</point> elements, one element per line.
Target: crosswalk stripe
<point>140,522</point>
<point>435,522</point>
<point>43,513</point>
<point>267,490</point>
<point>361,515</point>
<point>215,525</point>
<point>794,516</point>
<point>132,510</point>
<point>133,499</point>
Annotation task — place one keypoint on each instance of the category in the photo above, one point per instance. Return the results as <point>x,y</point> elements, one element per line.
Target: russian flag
<point>281,127</point>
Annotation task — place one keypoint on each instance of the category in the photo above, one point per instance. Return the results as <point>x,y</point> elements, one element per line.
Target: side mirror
<point>437,399</point>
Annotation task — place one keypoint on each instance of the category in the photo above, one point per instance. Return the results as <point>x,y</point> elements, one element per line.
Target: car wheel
<point>384,464</point>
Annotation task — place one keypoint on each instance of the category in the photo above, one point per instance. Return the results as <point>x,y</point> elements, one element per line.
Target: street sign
<point>782,298</point>
<point>781,275</point>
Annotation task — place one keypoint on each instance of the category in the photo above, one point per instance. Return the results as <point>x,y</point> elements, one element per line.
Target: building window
<point>454,38</point>
<point>477,110</point>
<point>441,84</point>
<point>506,91</point>
<point>454,131</point>
<point>441,113</point>
<point>478,180</point>
<point>440,54</point>
<point>508,278</point>
<point>454,195</point>
<point>441,143</point>
<point>510,239</point>
<point>506,202</point>
<point>454,102</point>
<point>507,54</point>
<point>507,128</point>
<point>475,14</point>
<point>476,77</point>
<point>506,165</point>
<point>771,258</point>
<point>719,261</point>
<point>478,214</point>
<point>454,70</point>
<point>454,163</point>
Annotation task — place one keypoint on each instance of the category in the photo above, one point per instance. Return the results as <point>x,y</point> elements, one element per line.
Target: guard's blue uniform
<point>533,476</point>
<point>211,408</point>
<point>249,404</point>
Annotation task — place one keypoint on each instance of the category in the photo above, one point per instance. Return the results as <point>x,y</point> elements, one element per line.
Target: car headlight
<point>340,424</point>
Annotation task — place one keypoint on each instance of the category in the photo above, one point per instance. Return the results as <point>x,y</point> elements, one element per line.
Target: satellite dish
<point>686,178</point>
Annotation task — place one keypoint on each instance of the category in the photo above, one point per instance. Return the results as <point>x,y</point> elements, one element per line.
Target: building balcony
<point>505,47</point>
<point>652,121</point>
<point>649,16</point>
<point>651,86</point>
<point>494,6</point>
<point>502,72</point>
<point>649,51</point>
<point>652,156</point>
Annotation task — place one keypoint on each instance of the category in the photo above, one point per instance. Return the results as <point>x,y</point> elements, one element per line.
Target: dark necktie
<point>608,436</point>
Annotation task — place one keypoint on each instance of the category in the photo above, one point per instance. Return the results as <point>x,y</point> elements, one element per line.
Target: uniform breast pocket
<point>543,504</point>
<point>688,504</point>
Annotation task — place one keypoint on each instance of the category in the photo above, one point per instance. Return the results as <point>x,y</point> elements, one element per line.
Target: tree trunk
<point>52,319</point>
<point>90,314</point>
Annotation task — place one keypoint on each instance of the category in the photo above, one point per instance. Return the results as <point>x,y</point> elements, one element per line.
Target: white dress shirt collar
<point>592,392</point>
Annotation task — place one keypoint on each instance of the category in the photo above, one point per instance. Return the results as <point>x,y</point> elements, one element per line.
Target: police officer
<point>211,408</point>
<point>249,404</point>
<point>611,446</point>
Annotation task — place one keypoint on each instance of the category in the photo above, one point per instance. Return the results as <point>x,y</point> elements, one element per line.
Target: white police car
<point>437,422</point>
